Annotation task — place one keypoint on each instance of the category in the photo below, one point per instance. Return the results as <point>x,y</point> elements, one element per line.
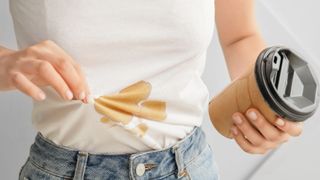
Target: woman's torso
<point>118,43</point>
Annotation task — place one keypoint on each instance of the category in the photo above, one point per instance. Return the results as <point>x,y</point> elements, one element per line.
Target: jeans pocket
<point>30,171</point>
<point>204,166</point>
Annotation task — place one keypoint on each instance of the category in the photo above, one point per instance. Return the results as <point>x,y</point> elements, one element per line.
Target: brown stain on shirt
<point>131,101</point>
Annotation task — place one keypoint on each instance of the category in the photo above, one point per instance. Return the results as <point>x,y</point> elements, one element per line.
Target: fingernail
<point>69,94</point>
<point>234,130</point>
<point>252,115</point>
<point>237,119</point>
<point>41,96</point>
<point>82,95</point>
<point>280,122</point>
<point>86,99</point>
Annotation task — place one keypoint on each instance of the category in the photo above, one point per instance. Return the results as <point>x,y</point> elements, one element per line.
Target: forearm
<point>240,54</point>
<point>239,34</point>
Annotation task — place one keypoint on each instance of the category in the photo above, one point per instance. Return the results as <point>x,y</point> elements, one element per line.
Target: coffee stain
<point>131,101</point>
<point>140,129</point>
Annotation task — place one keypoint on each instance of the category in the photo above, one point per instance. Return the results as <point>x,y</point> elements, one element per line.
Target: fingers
<point>50,75</point>
<point>87,89</point>
<point>255,134</point>
<point>26,86</point>
<point>70,70</point>
<point>45,71</point>
<point>248,131</point>
<point>72,78</point>
<point>63,64</point>
<point>244,144</point>
<point>280,131</point>
<point>268,130</point>
<point>292,128</point>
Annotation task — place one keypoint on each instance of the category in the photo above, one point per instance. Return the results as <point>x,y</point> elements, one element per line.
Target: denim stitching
<point>133,156</point>
<point>48,171</point>
<point>168,148</point>
<point>196,157</point>
<point>81,165</point>
<point>56,145</point>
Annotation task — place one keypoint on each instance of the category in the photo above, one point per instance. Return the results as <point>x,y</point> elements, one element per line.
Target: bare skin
<point>39,65</point>
<point>241,42</point>
<point>46,63</point>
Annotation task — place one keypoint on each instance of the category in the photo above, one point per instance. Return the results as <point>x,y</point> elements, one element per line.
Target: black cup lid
<point>287,83</point>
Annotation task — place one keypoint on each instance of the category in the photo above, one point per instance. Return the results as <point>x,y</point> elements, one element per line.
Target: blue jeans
<point>190,158</point>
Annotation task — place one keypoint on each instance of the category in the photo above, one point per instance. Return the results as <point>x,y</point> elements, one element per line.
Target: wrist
<point>5,51</point>
<point>4,65</point>
<point>240,55</point>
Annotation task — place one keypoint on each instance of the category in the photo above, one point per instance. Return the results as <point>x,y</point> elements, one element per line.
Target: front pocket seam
<point>197,157</point>
<point>47,171</point>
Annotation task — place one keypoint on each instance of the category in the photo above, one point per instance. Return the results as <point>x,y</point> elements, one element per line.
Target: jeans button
<point>140,169</point>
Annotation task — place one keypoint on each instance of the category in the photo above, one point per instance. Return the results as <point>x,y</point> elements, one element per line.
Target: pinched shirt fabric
<point>120,108</point>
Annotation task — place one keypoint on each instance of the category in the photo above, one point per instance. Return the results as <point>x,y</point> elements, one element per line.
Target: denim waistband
<point>71,164</point>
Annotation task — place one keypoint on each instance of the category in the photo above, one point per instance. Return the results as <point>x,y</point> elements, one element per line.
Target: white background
<point>293,23</point>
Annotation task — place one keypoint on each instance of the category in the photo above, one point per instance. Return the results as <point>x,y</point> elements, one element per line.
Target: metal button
<point>140,169</point>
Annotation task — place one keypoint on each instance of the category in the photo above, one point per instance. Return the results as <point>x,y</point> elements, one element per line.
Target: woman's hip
<point>190,158</point>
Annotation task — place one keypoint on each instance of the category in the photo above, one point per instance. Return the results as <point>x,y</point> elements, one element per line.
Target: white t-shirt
<point>145,57</point>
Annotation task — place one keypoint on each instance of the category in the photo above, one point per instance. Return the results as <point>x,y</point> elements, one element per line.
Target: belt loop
<point>82,158</point>
<point>179,161</point>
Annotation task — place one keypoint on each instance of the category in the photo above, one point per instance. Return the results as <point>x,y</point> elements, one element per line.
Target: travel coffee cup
<point>279,83</point>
